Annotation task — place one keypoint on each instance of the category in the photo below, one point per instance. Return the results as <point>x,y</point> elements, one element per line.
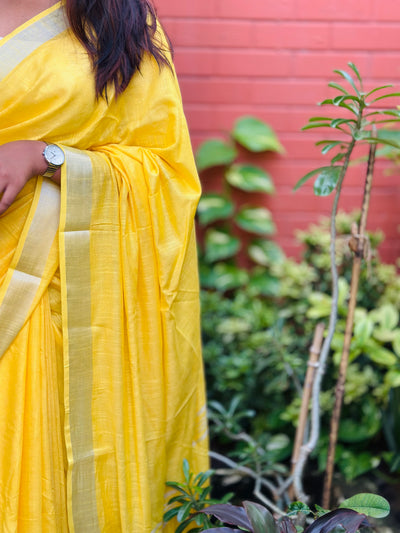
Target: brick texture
<point>274,60</point>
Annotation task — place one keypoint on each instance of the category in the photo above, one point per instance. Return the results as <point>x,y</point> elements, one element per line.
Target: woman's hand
<point>19,162</point>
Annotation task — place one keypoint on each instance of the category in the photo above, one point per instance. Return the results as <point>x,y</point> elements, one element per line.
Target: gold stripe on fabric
<point>24,277</point>
<point>75,245</point>
<point>24,40</point>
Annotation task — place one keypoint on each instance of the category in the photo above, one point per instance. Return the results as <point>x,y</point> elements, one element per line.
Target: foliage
<point>256,346</point>
<point>358,125</point>
<point>255,518</point>
<point>191,496</point>
<point>225,217</point>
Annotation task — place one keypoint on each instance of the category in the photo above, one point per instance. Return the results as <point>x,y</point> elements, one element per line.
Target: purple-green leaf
<point>286,526</point>
<point>230,514</point>
<point>260,518</point>
<point>350,520</point>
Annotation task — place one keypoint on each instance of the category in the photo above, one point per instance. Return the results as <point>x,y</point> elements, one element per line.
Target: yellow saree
<point>101,380</point>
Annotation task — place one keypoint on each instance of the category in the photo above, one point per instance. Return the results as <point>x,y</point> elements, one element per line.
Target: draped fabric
<point>101,379</point>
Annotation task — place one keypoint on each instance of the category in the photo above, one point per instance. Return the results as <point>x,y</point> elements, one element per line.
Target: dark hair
<point>116,34</point>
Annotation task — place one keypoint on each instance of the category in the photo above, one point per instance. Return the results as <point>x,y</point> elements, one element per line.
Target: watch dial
<point>54,154</point>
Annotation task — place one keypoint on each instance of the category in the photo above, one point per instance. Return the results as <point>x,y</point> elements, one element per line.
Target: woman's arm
<point>19,162</point>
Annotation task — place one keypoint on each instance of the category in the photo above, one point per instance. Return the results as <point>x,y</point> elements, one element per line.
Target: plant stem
<point>309,446</point>
<point>357,244</point>
<point>306,393</point>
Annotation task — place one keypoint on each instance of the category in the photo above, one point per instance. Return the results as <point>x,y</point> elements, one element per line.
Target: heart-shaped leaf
<point>220,245</point>
<point>215,152</point>
<point>256,220</point>
<point>250,178</point>
<point>214,207</point>
<point>256,135</point>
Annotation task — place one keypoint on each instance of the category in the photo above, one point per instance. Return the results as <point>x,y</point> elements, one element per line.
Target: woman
<point>101,384</point>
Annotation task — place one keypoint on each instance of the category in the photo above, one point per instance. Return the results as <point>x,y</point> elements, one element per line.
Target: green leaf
<point>228,277</point>
<point>363,330</point>
<point>214,207</point>
<point>171,514</point>
<point>329,146</point>
<point>256,135</point>
<point>379,354</point>
<point>184,512</point>
<point>390,95</point>
<point>355,464</point>
<point>265,252</point>
<point>265,284</point>
<point>255,220</point>
<point>215,152</point>
<point>220,245</point>
<point>337,87</point>
<point>387,316</point>
<point>348,78</point>
<point>250,178</point>
<point>308,176</point>
<point>260,518</point>
<point>186,470</point>
<point>327,180</point>
<point>369,504</point>
<point>378,89</point>
<point>339,121</point>
<point>355,70</point>
<point>298,507</point>
<point>396,343</point>
<point>316,125</point>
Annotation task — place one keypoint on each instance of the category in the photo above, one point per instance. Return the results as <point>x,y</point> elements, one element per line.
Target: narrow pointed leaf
<point>378,89</point>
<point>256,220</point>
<point>256,135</point>
<point>347,518</point>
<point>384,96</point>
<point>250,178</point>
<point>369,504</point>
<point>215,152</point>
<point>339,121</point>
<point>229,514</point>
<point>348,78</point>
<point>326,181</point>
<point>260,518</point>
<point>316,125</point>
<point>320,119</point>
<point>308,176</point>
<point>214,207</point>
<point>339,100</point>
<point>327,101</point>
<point>338,87</point>
<point>329,146</point>
<point>355,70</point>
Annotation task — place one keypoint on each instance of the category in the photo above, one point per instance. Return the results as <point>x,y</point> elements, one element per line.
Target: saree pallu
<point>101,378</point>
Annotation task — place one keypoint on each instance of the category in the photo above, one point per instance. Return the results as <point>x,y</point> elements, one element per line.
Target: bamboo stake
<point>305,401</point>
<point>357,245</point>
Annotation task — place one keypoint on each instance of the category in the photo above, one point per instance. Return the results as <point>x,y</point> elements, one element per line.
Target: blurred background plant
<point>255,349</point>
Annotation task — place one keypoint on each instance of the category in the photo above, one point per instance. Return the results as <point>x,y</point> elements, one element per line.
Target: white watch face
<point>54,154</point>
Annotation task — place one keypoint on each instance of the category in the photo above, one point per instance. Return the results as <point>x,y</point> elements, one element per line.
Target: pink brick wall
<point>274,60</point>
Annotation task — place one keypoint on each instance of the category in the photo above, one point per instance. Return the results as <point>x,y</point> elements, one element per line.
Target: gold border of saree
<point>77,340</point>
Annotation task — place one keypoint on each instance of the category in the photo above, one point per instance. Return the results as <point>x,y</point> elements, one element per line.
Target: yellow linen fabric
<point>101,388</point>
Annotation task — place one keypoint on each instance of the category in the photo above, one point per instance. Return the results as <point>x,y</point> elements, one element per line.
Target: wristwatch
<point>54,158</point>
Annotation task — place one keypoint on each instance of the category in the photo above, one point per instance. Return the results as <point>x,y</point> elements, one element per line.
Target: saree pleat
<point>101,389</point>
